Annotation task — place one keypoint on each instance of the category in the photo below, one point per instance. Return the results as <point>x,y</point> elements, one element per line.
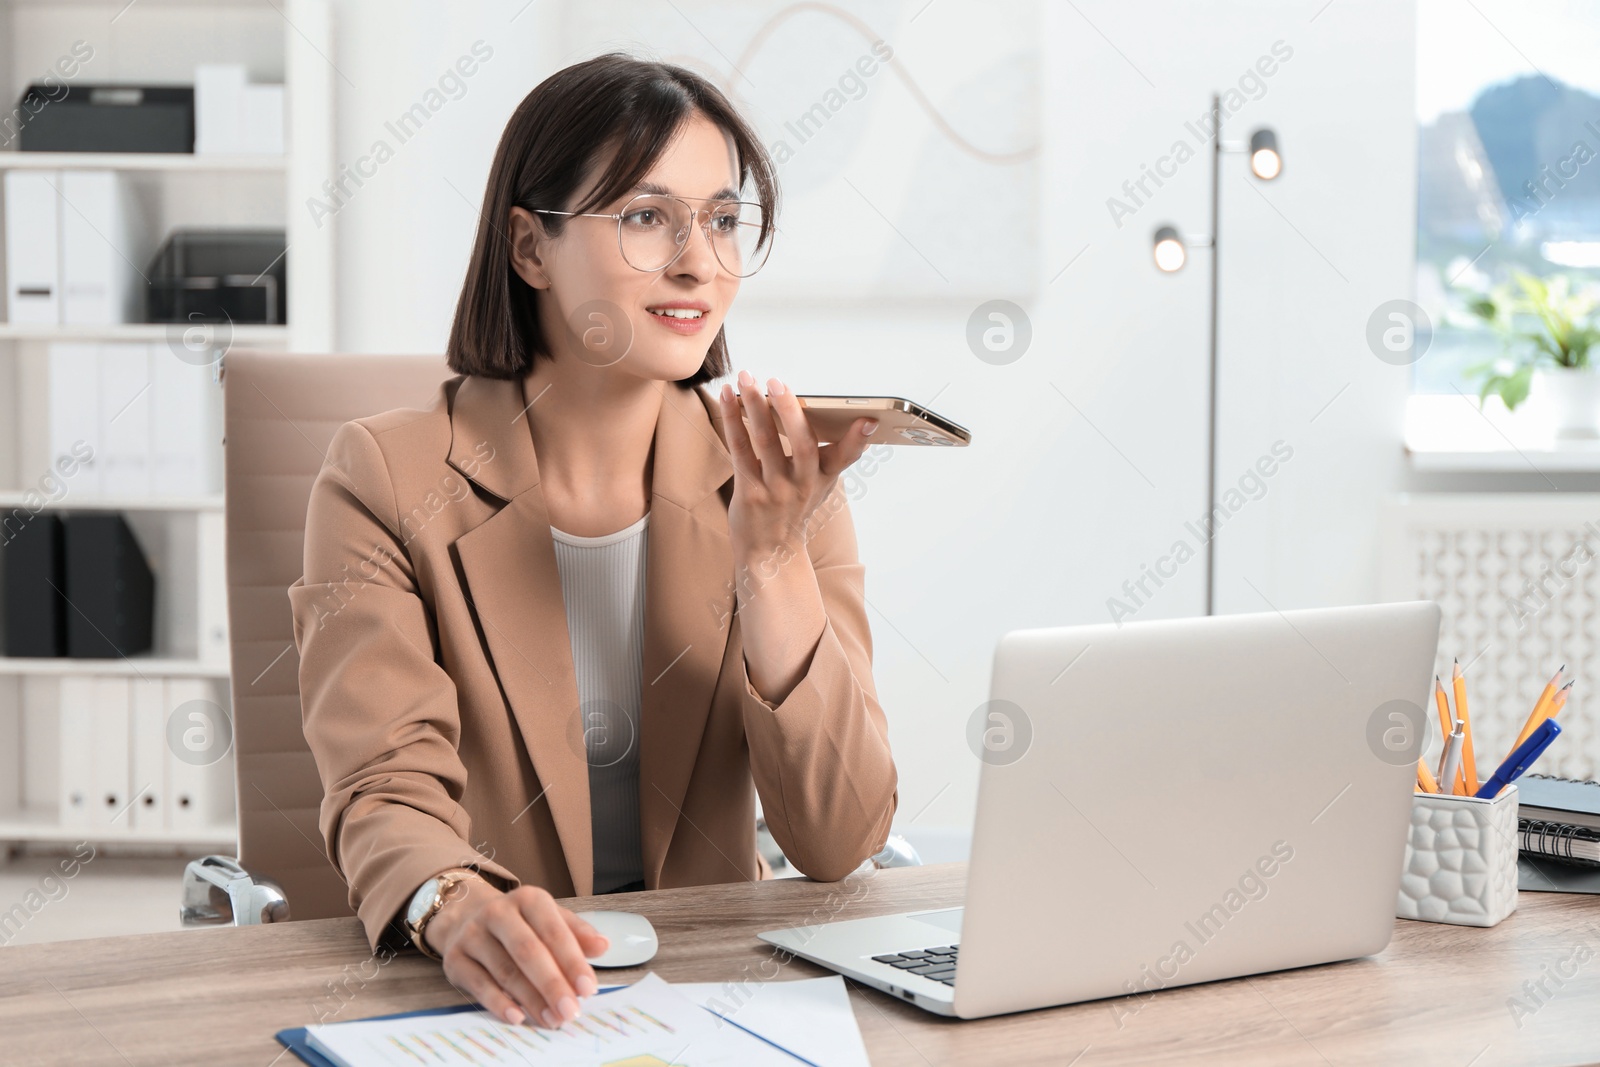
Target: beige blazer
<point>437,683</point>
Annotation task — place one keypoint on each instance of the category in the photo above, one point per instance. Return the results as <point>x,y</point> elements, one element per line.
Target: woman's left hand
<point>774,494</point>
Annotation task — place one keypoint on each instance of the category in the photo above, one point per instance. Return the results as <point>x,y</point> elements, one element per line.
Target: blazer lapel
<point>509,567</point>
<point>689,603</point>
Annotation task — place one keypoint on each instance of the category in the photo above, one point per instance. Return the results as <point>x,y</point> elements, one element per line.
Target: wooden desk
<point>1438,994</point>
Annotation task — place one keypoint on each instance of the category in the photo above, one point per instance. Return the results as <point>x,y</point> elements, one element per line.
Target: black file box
<point>110,589</point>
<point>107,118</point>
<point>32,568</point>
<point>219,276</point>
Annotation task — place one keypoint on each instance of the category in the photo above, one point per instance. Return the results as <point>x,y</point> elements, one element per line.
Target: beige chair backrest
<point>280,413</point>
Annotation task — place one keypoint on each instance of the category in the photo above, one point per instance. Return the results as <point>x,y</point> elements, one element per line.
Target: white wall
<point>1053,508</point>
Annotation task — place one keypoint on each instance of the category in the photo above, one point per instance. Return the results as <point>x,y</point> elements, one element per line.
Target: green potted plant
<point>1548,332</point>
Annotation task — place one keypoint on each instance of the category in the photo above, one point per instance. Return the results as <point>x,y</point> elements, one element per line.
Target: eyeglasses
<point>653,230</point>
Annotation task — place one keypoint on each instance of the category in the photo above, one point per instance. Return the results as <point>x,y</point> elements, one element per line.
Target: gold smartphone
<point>900,421</point>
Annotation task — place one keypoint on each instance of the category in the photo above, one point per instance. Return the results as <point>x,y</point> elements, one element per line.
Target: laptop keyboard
<point>938,963</point>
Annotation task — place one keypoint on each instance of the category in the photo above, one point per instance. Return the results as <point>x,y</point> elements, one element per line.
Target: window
<point>1508,174</point>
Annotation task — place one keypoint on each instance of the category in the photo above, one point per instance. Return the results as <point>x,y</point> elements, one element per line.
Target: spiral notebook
<point>1558,841</point>
<point>1559,819</point>
<point>1566,801</point>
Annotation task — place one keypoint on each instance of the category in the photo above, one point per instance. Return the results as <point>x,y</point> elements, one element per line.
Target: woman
<point>560,628</point>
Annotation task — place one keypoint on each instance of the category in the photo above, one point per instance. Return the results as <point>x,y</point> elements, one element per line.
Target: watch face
<point>422,900</point>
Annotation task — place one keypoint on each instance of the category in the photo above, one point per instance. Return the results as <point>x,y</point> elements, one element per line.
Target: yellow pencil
<point>1469,765</point>
<point>1444,708</point>
<point>1425,778</point>
<point>1540,712</point>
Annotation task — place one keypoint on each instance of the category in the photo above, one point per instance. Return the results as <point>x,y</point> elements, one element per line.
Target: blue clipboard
<point>294,1039</point>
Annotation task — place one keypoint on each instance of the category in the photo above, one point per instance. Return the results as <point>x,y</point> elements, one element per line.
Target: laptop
<point>1169,802</point>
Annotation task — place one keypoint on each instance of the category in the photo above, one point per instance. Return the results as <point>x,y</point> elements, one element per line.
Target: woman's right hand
<point>518,953</point>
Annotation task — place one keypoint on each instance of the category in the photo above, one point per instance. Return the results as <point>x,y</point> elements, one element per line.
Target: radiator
<point>1517,577</point>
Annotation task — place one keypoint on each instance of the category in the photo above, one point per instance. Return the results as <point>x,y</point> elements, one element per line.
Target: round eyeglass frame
<point>694,218</point>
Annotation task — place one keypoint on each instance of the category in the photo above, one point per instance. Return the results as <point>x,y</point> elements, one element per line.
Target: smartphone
<point>900,421</point>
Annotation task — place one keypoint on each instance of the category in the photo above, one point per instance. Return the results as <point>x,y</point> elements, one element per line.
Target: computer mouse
<point>633,939</point>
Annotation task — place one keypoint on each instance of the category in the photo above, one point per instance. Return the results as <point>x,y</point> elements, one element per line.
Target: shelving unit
<point>142,666</point>
<point>211,502</point>
<point>43,827</point>
<point>243,334</point>
<point>138,161</point>
<point>155,42</point>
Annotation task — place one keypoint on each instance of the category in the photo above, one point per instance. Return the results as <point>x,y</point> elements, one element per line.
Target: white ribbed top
<point>603,585</point>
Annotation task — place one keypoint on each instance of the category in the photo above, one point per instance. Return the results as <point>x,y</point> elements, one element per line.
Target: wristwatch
<point>427,901</point>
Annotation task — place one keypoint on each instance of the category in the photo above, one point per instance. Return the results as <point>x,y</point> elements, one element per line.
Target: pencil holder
<point>1461,859</point>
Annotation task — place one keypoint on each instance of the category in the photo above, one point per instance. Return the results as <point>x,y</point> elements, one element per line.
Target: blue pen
<point>1520,760</point>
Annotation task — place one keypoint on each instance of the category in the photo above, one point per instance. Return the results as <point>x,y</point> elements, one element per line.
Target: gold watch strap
<point>447,879</point>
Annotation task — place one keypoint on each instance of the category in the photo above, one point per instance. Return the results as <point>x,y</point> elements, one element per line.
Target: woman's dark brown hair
<point>557,132</point>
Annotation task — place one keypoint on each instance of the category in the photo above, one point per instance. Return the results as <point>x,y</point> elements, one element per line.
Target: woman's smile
<point>681,316</point>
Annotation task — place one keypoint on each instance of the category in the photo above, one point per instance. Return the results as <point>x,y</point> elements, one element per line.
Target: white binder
<point>33,247</point>
<point>99,249</point>
<point>110,762</point>
<point>212,565</point>
<point>75,416</point>
<point>218,94</point>
<point>233,116</point>
<point>196,801</point>
<point>181,402</point>
<point>125,418</point>
<point>261,120</point>
<point>75,751</point>
<point>148,697</point>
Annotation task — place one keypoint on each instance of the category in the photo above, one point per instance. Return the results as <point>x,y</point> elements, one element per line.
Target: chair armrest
<point>896,852</point>
<point>217,891</point>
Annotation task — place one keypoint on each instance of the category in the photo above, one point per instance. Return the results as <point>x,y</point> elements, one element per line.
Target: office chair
<point>896,852</point>
<point>280,412</point>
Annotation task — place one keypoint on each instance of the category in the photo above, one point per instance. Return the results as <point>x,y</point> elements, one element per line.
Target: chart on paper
<point>487,1041</point>
<point>643,1025</point>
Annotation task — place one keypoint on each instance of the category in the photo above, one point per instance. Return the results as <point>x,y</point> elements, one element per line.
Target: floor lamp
<point>1171,251</point>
